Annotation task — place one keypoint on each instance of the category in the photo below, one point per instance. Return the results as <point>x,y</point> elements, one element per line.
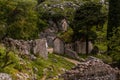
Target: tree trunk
<point>87,39</point>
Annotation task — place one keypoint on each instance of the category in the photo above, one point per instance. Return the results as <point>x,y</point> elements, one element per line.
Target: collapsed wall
<point>36,47</point>
<point>92,69</point>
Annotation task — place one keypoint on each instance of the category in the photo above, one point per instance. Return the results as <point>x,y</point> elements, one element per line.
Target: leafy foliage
<point>67,36</point>
<point>7,58</point>
<point>88,15</point>
<point>19,19</point>
<point>114,17</point>
<point>23,22</point>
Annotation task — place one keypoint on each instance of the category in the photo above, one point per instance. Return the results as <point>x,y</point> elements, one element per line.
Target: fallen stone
<point>4,76</point>
<point>92,69</point>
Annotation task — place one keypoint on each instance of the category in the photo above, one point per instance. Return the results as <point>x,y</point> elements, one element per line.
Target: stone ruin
<point>59,46</point>
<point>80,47</point>
<point>71,49</point>
<point>92,69</point>
<point>54,27</point>
<point>32,48</point>
<point>40,47</point>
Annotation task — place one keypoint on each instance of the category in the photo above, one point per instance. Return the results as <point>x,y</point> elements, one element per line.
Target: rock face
<point>91,69</point>
<point>4,76</point>
<point>37,47</point>
<point>59,46</point>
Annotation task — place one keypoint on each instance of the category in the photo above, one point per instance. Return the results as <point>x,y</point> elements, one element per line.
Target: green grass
<point>51,67</point>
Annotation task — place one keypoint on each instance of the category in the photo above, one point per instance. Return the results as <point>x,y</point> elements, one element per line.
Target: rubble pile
<point>92,69</point>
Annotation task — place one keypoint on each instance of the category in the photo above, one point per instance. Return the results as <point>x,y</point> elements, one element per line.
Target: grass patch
<point>51,67</point>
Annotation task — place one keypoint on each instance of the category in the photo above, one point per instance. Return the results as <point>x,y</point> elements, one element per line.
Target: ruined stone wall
<point>80,47</point>
<point>36,47</point>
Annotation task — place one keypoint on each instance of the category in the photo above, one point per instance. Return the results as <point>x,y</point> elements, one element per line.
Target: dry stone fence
<point>37,47</point>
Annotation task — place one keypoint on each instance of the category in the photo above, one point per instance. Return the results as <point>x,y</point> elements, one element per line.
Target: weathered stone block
<point>81,47</point>
<point>71,53</point>
<point>58,46</point>
<point>40,47</point>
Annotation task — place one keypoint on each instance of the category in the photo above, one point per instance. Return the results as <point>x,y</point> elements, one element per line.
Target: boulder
<point>71,53</point>
<point>4,76</point>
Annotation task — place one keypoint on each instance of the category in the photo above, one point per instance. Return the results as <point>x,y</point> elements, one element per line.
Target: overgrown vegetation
<point>13,64</point>
<point>90,20</point>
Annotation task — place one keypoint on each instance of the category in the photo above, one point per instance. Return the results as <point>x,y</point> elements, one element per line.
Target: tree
<point>86,16</point>
<point>22,20</point>
<point>113,19</point>
<point>5,9</point>
<point>40,1</point>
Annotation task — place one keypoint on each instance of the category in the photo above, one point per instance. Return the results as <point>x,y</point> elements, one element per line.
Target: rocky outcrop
<point>36,47</point>
<point>4,76</point>
<point>92,69</point>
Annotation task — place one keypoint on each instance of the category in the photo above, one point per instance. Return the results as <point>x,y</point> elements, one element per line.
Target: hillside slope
<point>23,68</point>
